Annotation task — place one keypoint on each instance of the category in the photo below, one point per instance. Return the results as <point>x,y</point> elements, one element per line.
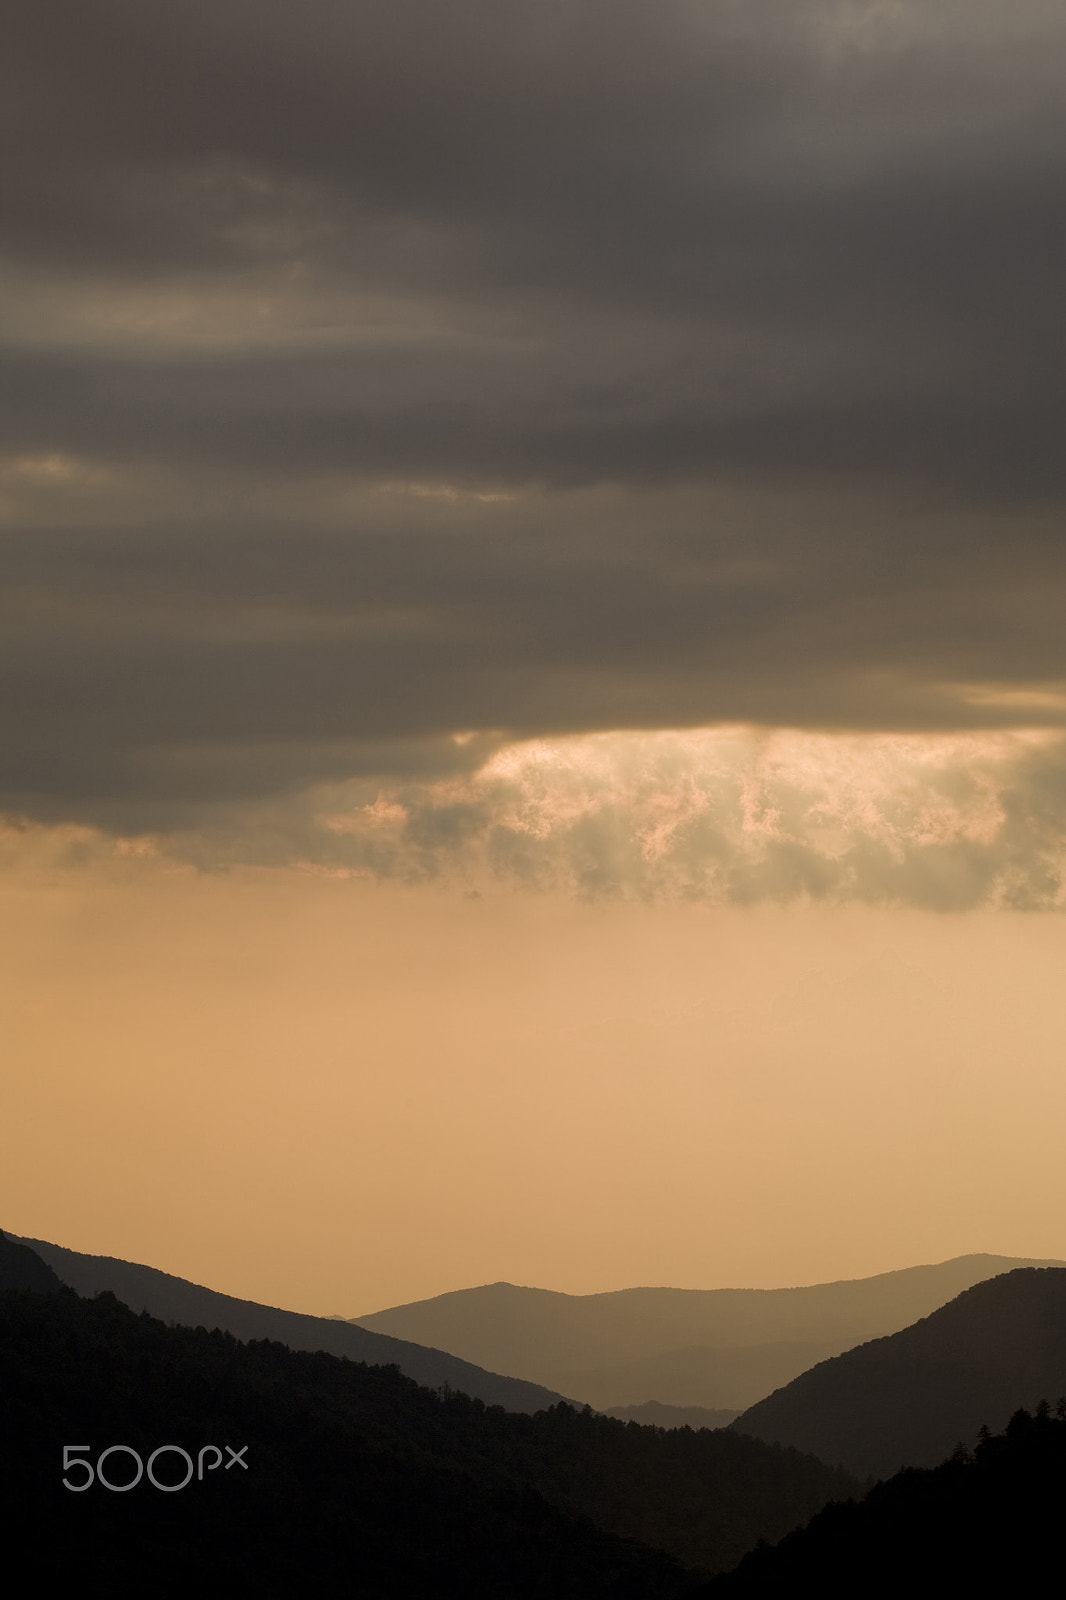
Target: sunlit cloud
<point>715,816</point>
<point>736,814</point>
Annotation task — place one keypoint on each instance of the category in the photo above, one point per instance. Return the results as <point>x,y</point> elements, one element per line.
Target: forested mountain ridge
<point>317,1504</point>
<point>907,1399</point>
<point>654,1415</point>
<point>982,1523</point>
<point>334,1442</point>
<point>173,1299</point>
<point>354,1479</point>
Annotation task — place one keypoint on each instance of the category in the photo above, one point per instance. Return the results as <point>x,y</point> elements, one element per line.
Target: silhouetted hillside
<point>175,1300</point>
<point>355,1470</point>
<point>978,1525</point>
<point>337,1488</point>
<point>718,1348</point>
<point>22,1268</point>
<point>906,1400</point>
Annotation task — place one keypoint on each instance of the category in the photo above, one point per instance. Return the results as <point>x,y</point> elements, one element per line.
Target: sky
<point>533,728</point>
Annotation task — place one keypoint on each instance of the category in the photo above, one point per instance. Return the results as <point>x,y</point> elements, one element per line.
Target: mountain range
<point>357,1479</point>
<point>367,1482</point>
<point>720,1349</point>
<point>498,1342</point>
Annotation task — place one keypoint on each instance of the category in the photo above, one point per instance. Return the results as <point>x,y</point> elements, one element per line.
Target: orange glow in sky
<point>335,1094</point>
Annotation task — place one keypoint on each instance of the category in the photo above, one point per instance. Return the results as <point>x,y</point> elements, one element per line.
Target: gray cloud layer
<point>375,372</point>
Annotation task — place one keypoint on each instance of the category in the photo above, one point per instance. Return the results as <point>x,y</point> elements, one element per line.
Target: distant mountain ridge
<point>722,1349</point>
<point>739,1371</point>
<point>176,1301</point>
<point>906,1400</point>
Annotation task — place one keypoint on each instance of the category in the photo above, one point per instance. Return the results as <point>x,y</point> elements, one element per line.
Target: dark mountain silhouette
<point>357,1480</point>
<point>718,1348</point>
<point>340,1489</point>
<point>22,1268</point>
<point>980,1524</point>
<point>174,1300</point>
<point>653,1415</point>
<point>907,1399</point>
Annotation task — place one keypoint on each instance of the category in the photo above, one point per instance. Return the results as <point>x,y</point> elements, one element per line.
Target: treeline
<point>985,1522</point>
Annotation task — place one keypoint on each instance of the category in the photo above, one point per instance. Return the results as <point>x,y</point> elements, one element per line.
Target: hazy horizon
<point>238,1090</point>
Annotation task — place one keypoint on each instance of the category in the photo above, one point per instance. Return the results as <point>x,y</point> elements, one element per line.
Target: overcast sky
<point>380,373</point>
<point>589,455</point>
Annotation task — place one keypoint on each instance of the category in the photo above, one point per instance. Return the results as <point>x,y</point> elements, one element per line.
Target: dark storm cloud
<point>286,649</point>
<point>375,372</point>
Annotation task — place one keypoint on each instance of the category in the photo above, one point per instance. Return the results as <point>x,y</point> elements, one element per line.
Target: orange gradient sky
<point>336,1095</point>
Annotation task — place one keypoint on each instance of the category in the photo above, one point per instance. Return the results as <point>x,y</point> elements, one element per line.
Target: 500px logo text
<point>74,1458</point>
